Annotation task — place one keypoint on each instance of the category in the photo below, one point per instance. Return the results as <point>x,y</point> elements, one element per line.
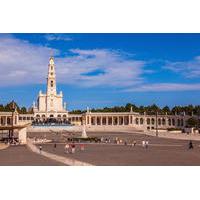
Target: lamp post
<point>12,131</point>
<point>156,123</point>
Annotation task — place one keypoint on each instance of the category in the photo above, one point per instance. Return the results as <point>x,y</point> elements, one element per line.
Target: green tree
<point>192,122</point>
<point>23,110</point>
<point>166,109</point>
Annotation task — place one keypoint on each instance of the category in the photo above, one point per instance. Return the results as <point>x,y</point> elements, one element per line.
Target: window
<point>51,83</point>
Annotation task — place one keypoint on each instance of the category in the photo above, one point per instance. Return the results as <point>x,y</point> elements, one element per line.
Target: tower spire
<point>51,78</point>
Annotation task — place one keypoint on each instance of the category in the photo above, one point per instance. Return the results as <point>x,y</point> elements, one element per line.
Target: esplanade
<point>50,108</point>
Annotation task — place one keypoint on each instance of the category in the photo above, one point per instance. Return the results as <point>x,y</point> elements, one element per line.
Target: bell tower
<point>50,103</point>
<point>51,78</point>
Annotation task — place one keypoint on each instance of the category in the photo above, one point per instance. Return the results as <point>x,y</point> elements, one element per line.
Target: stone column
<point>118,120</point>
<point>112,121</point>
<point>6,121</point>
<point>106,121</point>
<point>123,121</point>
<point>95,120</point>
<point>101,120</point>
<point>89,120</point>
<point>86,120</point>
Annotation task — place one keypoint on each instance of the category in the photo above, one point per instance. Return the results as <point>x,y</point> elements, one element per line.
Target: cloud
<point>22,62</point>
<point>163,87</point>
<point>57,37</point>
<point>190,69</point>
<point>116,70</point>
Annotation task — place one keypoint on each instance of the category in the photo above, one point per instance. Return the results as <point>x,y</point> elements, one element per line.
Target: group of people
<point>145,144</point>
<point>71,147</point>
<point>68,148</point>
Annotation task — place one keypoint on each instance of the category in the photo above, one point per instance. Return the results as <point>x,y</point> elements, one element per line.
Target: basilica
<point>50,105</point>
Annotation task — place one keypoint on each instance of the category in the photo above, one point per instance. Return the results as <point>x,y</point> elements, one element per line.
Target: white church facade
<point>50,104</point>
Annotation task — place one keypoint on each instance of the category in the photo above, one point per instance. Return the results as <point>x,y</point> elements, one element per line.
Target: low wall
<point>54,129</point>
<point>177,131</point>
<point>80,128</point>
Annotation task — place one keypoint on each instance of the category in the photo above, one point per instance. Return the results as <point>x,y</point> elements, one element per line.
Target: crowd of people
<point>73,147</point>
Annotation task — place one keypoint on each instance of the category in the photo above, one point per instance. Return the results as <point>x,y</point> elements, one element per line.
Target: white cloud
<point>57,37</point>
<point>118,71</point>
<point>190,69</point>
<point>24,63</point>
<point>163,87</point>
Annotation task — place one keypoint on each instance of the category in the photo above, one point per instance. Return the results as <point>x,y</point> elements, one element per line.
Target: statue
<point>84,134</point>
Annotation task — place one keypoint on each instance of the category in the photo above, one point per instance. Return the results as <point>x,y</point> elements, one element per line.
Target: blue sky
<point>99,70</point>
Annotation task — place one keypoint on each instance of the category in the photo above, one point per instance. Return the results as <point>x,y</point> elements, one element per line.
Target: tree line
<point>9,107</point>
<point>151,109</point>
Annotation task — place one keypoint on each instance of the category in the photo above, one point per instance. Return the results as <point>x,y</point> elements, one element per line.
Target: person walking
<point>55,145</point>
<point>143,143</point>
<point>67,148</point>
<point>146,144</point>
<point>82,147</point>
<point>190,145</point>
<point>40,148</point>
<point>73,148</point>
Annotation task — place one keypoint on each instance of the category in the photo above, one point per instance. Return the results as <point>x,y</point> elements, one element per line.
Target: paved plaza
<point>22,156</point>
<point>161,151</point>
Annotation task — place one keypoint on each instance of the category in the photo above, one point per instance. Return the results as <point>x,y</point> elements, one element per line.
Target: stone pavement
<point>22,156</point>
<point>62,159</point>
<point>3,146</point>
<point>161,151</point>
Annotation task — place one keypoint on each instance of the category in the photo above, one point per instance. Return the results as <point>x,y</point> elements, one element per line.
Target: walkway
<point>61,159</point>
<point>22,156</point>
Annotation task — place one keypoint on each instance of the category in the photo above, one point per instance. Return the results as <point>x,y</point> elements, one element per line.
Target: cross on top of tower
<point>51,61</point>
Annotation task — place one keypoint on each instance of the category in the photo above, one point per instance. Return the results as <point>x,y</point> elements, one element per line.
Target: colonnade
<point>135,120</point>
<point>6,120</point>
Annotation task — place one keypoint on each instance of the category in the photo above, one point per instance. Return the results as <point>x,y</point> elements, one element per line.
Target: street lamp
<point>12,128</point>
<point>156,123</point>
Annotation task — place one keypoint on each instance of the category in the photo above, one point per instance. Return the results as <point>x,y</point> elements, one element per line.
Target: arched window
<point>8,121</point>
<point>51,83</point>
<point>148,121</point>
<point>137,121</point>
<point>163,121</point>
<point>182,123</point>
<point>141,120</point>
<point>178,122</point>
<point>152,121</point>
